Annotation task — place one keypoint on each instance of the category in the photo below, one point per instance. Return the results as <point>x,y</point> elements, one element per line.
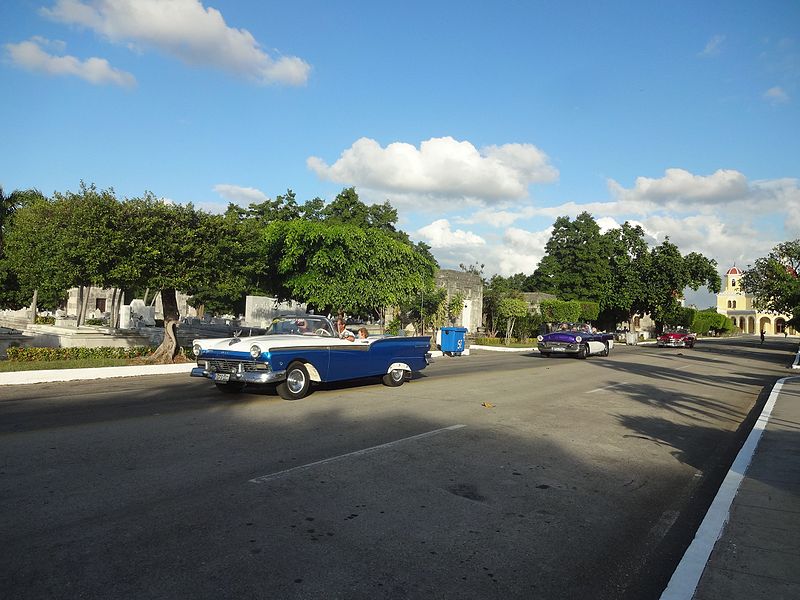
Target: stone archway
<point>780,325</point>
<point>751,325</point>
<point>765,325</point>
<point>742,325</point>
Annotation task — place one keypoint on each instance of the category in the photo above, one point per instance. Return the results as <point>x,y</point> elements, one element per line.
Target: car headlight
<point>196,349</point>
<point>540,338</point>
<point>255,351</point>
<point>578,339</point>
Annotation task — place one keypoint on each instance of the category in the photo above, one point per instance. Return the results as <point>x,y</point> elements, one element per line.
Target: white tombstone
<point>143,314</point>
<point>125,316</point>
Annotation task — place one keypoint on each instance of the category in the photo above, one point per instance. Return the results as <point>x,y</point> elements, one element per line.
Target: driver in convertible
<point>343,332</point>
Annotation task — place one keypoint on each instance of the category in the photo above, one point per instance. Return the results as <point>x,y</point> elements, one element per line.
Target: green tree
<point>341,267</point>
<point>494,292</point>
<point>773,281</point>
<point>33,247</point>
<point>575,265</point>
<point>669,274</point>
<point>511,308</point>
<point>10,296</point>
<point>89,219</point>
<point>629,259</point>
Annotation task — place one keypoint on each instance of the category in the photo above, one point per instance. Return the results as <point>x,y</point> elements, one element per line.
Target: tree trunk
<point>168,350</point>
<point>84,304</point>
<point>33,305</point>
<point>111,319</point>
<point>509,330</point>
<point>146,293</point>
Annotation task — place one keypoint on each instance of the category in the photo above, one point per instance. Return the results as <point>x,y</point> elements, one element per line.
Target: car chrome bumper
<point>243,377</point>
<point>566,348</point>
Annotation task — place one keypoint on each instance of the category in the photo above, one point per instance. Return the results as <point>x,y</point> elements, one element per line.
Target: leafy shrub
<point>500,341</point>
<point>556,311</point>
<point>393,327</point>
<point>95,321</point>
<point>54,354</point>
<point>705,321</point>
<point>45,320</point>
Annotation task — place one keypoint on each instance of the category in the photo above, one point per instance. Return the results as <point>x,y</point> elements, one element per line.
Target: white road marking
<point>686,577</point>
<point>608,387</point>
<point>276,475</point>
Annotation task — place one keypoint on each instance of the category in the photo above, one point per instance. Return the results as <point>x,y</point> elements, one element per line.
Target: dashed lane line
<point>608,387</point>
<point>278,474</point>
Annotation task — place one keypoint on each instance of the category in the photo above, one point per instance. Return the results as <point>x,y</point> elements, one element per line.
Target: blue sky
<point>480,122</point>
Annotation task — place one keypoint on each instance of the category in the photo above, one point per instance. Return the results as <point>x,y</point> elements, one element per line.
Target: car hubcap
<point>397,374</point>
<point>295,381</point>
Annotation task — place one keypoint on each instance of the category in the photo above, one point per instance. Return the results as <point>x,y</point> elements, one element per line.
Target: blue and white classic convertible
<point>576,339</point>
<point>297,351</point>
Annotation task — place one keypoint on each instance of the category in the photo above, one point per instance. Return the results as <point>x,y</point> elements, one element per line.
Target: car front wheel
<point>583,351</point>
<point>296,384</point>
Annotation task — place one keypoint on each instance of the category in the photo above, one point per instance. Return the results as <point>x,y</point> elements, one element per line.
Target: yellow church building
<point>734,303</point>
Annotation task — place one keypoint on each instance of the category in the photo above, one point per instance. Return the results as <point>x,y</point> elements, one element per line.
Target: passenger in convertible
<point>363,333</point>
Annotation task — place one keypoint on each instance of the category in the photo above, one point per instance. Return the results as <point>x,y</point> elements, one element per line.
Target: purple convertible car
<point>575,339</point>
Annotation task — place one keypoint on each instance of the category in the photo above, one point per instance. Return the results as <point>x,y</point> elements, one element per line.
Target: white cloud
<point>713,46</point>
<point>498,218</point>
<point>681,190</point>
<point>439,235</point>
<point>521,251</point>
<point>240,195</point>
<point>442,168</point>
<point>776,95</point>
<point>183,29</point>
<point>31,55</point>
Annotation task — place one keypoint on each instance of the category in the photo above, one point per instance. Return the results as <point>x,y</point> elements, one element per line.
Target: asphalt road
<point>488,476</point>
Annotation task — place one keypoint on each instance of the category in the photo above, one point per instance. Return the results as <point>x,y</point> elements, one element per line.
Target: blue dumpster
<point>454,340</point>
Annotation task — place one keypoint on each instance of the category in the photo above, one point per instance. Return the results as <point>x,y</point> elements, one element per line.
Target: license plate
<point>222,377</point>
<point>559,349</point>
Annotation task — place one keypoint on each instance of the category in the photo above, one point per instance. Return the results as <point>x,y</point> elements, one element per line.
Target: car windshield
<point>574,327</point>
<point>301,325</point>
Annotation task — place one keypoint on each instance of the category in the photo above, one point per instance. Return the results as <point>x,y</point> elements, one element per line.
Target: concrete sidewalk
<point>748,546</point>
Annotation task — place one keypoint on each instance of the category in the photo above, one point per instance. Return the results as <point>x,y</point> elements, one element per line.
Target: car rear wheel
<point>296,384</point>
<point>394,378</point>
<point>606,351</point>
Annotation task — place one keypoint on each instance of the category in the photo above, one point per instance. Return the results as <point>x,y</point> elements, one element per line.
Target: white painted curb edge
<point>502,348</point>
<point>26,377</point>
<point>686,577</point>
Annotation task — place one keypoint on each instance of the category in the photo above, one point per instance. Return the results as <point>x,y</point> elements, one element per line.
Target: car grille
<point>232,366</point>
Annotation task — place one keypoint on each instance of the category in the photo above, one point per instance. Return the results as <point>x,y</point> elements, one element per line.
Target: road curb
<point>55,375</point>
